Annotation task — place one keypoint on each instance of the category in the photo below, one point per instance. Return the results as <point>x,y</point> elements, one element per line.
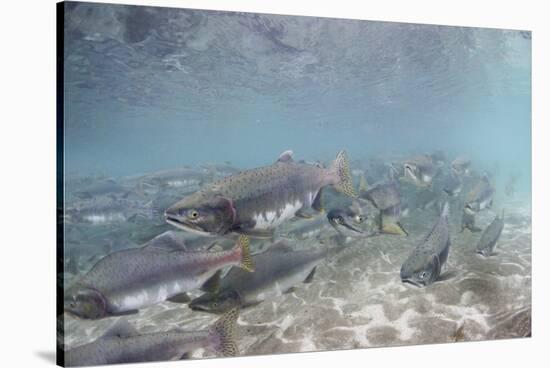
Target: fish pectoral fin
<point>309,278</point>
<point>181,298</point>
<point>125,313</point>
<point>301,213</point>
<point>185,356</point>
<point>393,228</point>
<point>212,285</point>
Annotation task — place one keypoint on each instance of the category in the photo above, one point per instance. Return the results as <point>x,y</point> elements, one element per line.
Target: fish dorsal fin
<point>121,328</point>
<point>168,241</point>
<point>286,156</point>
<point>280,247</point>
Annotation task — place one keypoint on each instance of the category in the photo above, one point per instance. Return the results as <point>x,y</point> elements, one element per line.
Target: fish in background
<point>452,184</point>
<point>439,157</point>
<point>255,202</point>
<point>224,169</point>
<point>349,217</point>
<point>461,165</point>
<point>490,236</point>
<point>278,270</point>
<point>419,170</point>
<point>427,198</point>
<point>424,264</point>
<point>122,343</point>
<point>480,197</point>
<point>468,221</point>
<point>510,186</point>
<point>386,198</point>
<point>178,178</point>
<point>301,229</point>
<point>127,280</point>
<point>106,210</point>
<point>103,187</point>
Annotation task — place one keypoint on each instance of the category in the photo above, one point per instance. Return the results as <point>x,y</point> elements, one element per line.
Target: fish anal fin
<point>301,213</point>
<point>212,285</point>
<point>317,204</point>
<point>394,228</point>
<point>125,313</point>
<point>182,298</point>
<point>256,233</point>
<point>121,328</point>
<point>309,278</point>
<point>290,290</point>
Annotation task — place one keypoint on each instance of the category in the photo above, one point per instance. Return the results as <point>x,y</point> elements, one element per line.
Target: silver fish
<point>347,218</point>
<point>461,165</point>
<point>127,280</point>
<point>177,178</point>
<point>480,197</point>
<point>255,202</point>
<point>424,265</point>
<point>490,236</point>
<point>101,188</point>
<point>122,343</point>
<point>419,170</point>
<point>452,185</point>
<point>279,269</point>
<point>386,198</point>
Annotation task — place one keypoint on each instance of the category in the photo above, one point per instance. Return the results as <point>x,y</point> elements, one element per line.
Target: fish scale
<point>255,202</point>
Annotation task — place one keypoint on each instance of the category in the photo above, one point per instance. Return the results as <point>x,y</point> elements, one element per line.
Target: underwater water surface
<point>160,102</point>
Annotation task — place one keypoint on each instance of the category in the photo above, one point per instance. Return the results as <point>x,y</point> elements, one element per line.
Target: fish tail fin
<point>225,329</point>
<point>341,167</point>
<point>246,259</point>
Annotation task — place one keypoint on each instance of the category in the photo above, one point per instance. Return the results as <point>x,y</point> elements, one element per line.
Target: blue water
<point>151,88</point>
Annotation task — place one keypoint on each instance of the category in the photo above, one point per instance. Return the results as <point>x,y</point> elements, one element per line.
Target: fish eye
<point>423,274</point>
<point>193,214</point>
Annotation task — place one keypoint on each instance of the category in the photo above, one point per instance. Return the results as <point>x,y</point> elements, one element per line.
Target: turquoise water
<point>150,88</point>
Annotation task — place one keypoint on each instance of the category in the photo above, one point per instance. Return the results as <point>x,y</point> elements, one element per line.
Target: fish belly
<point>146,296</point>
<point>271,219</point>
<point>276,288</point>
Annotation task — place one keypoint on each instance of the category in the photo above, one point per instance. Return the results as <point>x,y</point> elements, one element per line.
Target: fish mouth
<point>409,171</point>
<point>412,282</point>
<point>344,223</point>
<point>198,307</point>
<point>186,226</point>
<point>468,209</point>
<point>481,252</point>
